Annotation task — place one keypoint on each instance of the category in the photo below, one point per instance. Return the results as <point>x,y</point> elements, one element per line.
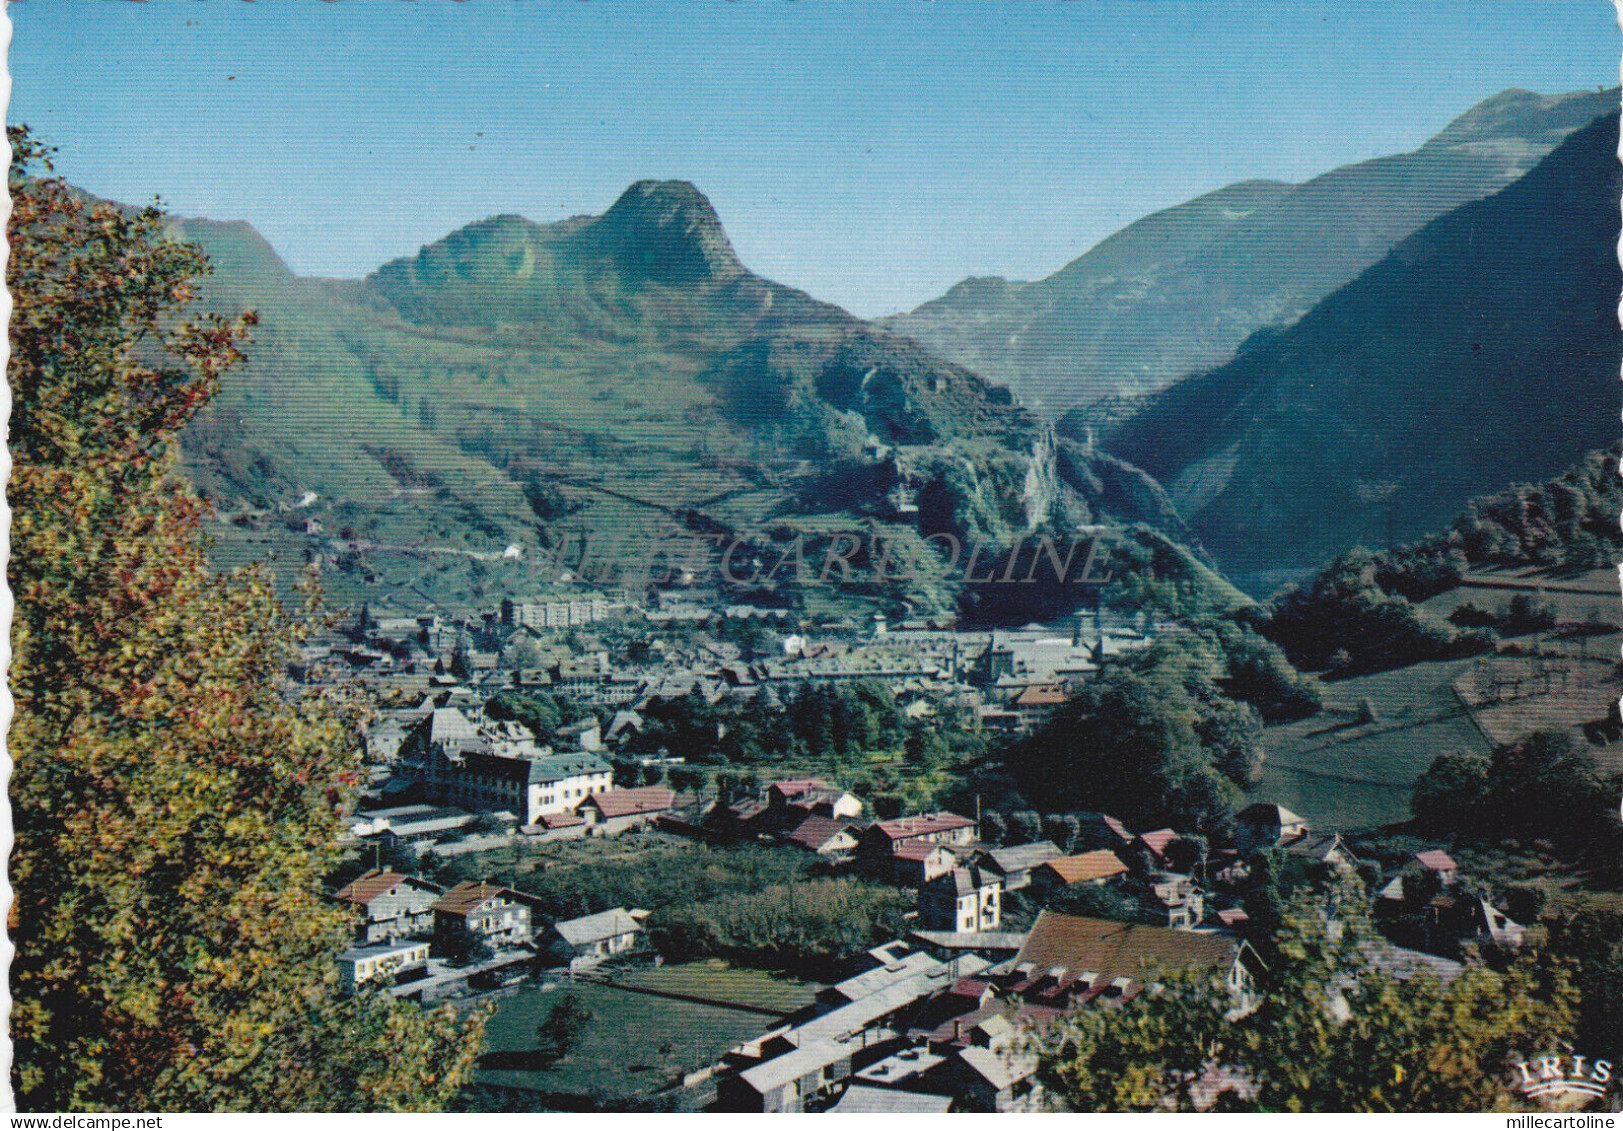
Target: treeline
<point>679,875</point>
<point>1360,614</point>
<point>819,723</point>
<point>1543,787</point>
<point>812,928</point>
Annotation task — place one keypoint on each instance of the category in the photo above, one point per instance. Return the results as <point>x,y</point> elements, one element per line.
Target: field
<point>672,1038</point>
<point>715,981</point>
<point>1338,773</point>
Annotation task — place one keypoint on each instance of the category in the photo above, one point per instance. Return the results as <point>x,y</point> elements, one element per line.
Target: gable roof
<point>1114,950</point>
<point>814,832</point>
<point>595,928</point>
<point>906,828</point>
<point>1097,865</point>
<point>1020,857</point>
<point>1267,815</point>
<point>963,881</point>
<point>1042,695</point>
<point>1436,859</point>
<point>368,886</point>
<point>1158,840</point>
<point>630,802</point>
<point>468,896</point>
<point>918,849</point>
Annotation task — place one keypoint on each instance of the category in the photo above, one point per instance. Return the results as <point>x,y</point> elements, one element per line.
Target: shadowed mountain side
<point>1179,291</point>
<point>1482,351</point>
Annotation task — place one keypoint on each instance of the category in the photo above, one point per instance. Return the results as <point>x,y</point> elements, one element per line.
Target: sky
<point>872,153</point>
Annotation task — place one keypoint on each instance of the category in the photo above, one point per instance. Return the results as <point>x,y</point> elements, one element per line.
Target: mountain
<point>606,386</point>
<point>1481,351</point>
<point>1177,292</point>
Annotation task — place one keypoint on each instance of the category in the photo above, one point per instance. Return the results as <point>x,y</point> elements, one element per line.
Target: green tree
<point>561,1030</point>
<point>173,813</point>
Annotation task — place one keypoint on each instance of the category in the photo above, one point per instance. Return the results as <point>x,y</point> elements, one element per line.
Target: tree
<point>1449,796</point>
<point>561,1030</point>
<point>1332,1031</point>
<point>174,814</point>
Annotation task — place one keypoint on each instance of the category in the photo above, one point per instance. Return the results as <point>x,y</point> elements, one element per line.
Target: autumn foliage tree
<point>173,811</point>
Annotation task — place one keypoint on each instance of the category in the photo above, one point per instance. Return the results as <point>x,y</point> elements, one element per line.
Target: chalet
<point>825,836</point>
<point>1321,848</point>
<point>790,802</point>
<point>620,809</point>
<point>594,938</point>
<point>1097,867</point>
<point>964,899</point>
<point>390,905</point>
<point>1263,825</point>
<point>1014,864</point>
<point>484,910</point>
<point>1070,959</point>
<point>1452,920</point>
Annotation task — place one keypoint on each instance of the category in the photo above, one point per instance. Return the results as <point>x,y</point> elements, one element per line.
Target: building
<point>1440,864</point>
<point>1265,825</point>
<point>796,1065</point>
<point>964,899</point>
<point>1071,959</point>
<point>826,836</point>
<point>391,905</point>
<point>529,786</point>
<point>866,1099</point>
<point>554,614</point>
<point>486,911</point>
<point>594,938</point>
<point>381,961</point>
<point>1014,863</point>
<point>622,809</point>
<point>1097,867</point>
<point>917,863</point>
<point>1183,900</point>
<point>880,841</point>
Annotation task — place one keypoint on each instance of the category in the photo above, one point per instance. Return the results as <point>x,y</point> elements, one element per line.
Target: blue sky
<point>872,153</point>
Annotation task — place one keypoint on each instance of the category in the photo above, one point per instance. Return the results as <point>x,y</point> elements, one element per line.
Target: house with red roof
<point>389,905</point>
<point>487,911</point>
<point>1100,866</point>
<point>880,842</point>
<point>1440,864</point>
<point>826,836</point>
<point>615,811</point>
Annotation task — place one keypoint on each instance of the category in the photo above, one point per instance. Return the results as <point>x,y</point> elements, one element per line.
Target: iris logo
<point>1551,1076</point>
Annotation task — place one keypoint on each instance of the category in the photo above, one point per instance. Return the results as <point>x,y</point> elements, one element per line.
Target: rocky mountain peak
<point>665,232</point>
